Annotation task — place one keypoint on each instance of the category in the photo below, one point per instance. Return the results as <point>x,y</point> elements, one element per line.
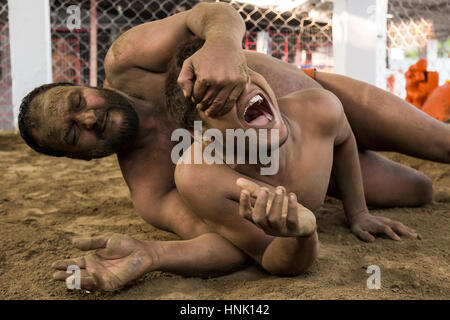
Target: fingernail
<point>279,192</point>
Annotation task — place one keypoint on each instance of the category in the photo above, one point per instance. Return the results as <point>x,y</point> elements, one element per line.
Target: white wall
<point>30,45</point>
<point>359,39</point>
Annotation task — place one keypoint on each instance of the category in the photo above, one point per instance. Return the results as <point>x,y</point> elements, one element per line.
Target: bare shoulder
<point>120,54</point>
<point>316,108</point>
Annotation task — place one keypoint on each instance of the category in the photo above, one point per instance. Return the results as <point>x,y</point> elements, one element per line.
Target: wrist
<point>226,40</point>
<point>353,216</point>
<point>153,254</point>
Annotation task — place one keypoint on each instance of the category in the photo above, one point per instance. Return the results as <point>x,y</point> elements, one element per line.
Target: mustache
<point>115,102</point>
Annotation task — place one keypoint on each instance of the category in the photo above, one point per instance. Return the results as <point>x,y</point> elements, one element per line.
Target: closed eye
<point>75,134</point>
<point>77,102</point>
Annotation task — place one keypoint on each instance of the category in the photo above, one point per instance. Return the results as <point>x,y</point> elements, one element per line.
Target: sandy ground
<point>45,201</point>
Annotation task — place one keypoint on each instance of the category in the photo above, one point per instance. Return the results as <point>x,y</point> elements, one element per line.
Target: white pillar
<point>30,45</point>
<point>359,39</point>
<point>432,54</point>
<point>262,42</point>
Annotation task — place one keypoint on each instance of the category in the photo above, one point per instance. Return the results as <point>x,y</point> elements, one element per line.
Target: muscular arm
<point>346,167</point>
<point>219,206</point>
<point>140,55</point>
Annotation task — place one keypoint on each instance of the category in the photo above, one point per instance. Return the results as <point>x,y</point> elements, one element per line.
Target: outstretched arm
<point>348,178</point>
<point>119,259</point>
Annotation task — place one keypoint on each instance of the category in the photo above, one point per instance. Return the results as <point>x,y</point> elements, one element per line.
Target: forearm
<point>206,255</point>
<point>348,178</point>
<point>290,256</point>
<point>216,21</point>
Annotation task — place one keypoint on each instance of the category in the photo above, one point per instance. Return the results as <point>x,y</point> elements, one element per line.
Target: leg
<point>390,184</point>
<point>383,122</point>
<point>380,120</point>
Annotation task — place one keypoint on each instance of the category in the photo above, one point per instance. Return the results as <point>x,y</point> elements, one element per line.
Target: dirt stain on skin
<point>46,201</point>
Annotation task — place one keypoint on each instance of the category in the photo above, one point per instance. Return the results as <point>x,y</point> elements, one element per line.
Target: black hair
<point>26,121</point>
<point>180,109</point>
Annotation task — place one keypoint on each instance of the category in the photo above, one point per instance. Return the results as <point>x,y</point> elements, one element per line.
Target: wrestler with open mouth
<point>257,108</point>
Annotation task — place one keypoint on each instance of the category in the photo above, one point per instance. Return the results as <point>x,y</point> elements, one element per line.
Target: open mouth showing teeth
<point>258,112</point>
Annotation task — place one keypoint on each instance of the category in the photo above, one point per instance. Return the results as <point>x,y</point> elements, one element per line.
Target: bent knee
<point>422,189</point>
<point>291,271</point>
<point>279,268</point>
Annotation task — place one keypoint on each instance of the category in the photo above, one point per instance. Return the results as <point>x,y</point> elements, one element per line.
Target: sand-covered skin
<point>46,201</point>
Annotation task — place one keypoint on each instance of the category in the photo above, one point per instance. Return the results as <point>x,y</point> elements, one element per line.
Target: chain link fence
<point>301,35</point>
<point>417,29</point>
<point>293,36</point>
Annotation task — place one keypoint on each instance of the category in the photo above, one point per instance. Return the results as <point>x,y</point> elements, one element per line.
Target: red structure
<point>420,83</point>
<point>422,91</point>
<point>438,103</point>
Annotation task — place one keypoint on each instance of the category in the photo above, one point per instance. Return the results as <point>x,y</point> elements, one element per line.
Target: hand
<point>214,77</point>
<point>365,225</point>
<point>118,260</point>
<point>275,213</point>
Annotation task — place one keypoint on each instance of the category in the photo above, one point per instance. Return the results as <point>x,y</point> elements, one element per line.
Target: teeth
<point>255,99</point>
<point>252,101</point>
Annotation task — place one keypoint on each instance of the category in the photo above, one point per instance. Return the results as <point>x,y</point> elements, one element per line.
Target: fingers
<point>405,231</point>
<point>207,100</point>
<point>225,100</point>
<point>292,216</point>
<point>200,89</point>
<point>86,281</point>
<point>248,185</point>
<point>259,211</point>
<point>216,108</point>
<point>63,275</point>
<point>390,233</point>
<point>245,208</point>
<point>232,98</point>
<point>217,102</point>
<point>90,243</point>
<point>186,78</point>
<point>363,235</point>
<point>275,219</point>
<point>64,264</point>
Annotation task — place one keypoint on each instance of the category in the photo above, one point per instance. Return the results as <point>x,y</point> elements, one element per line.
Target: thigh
<point>390,184</point>
<point>382,121</point>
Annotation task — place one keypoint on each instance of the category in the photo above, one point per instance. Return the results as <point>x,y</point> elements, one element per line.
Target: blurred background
<point>371,40</point>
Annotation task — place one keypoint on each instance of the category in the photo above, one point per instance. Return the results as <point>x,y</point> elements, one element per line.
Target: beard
<point>127,131</point>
